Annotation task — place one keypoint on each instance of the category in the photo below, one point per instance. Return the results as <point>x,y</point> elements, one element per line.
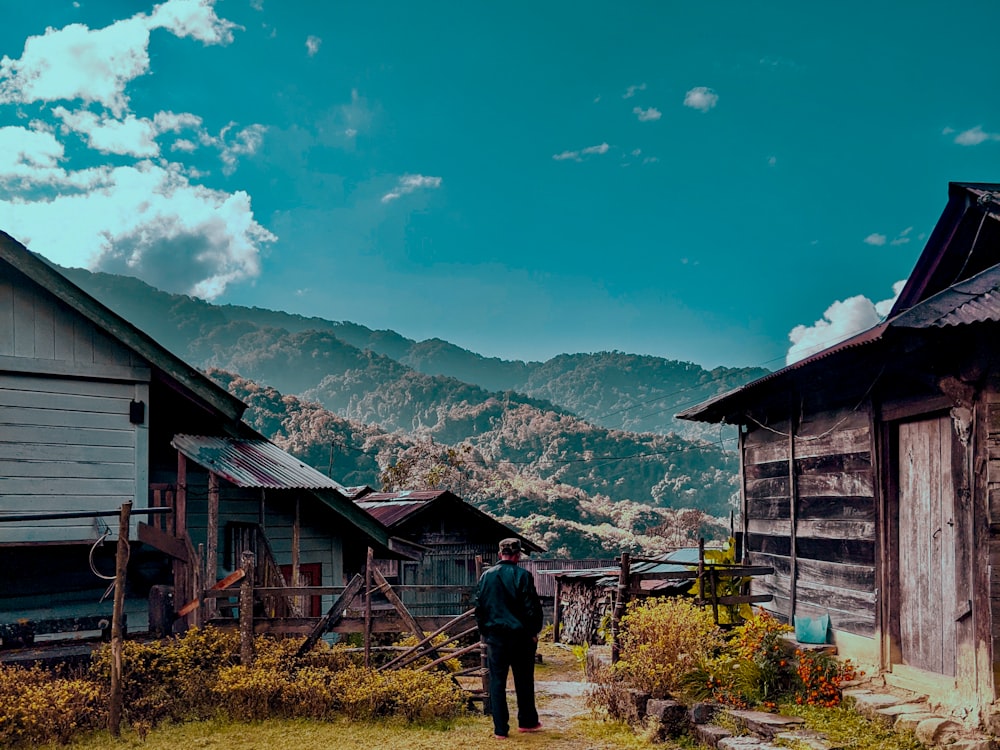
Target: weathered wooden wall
<point>66,442</point>
<point>814,521</point>
<point>992,455</point>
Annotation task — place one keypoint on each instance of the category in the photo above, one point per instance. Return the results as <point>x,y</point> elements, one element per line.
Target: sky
<point>727,183</point>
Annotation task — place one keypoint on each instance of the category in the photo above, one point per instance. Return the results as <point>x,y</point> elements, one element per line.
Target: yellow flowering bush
<point>172,678</point>
<point>661,639</point>
<point>415,696</point>
<point>37,707</point>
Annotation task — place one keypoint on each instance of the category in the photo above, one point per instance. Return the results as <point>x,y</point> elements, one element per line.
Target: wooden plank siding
<point>68,445</point>
<point>992,448</point>
<point>835,517</point>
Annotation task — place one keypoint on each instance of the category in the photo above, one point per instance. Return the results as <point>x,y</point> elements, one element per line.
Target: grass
<point>473,733</point>
<point>847,729</point>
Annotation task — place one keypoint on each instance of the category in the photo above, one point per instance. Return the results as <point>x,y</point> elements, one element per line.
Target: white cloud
<point>95,65</point>
<point>701,98</point>
<point>132,136</point>
<point>647,115</point>
<point>601,148</point>
<point>409,183</point>
<point>875,239</point>
<point>350,132</point>
<point>312,45</point>
<point>575,155</point>
<point>631,90</point>
<point>243,143</point>
<point>77,63</point>
<point>772,160</point>
<point>147,221</point>
<point>902,238</point>
<point>28,154</point>
<point>194,18</point>
<point>841,320</point>
<point>975,136</point>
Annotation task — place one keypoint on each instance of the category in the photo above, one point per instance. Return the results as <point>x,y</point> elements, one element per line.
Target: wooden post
<point>484,664</point>
<point>121,564</point>
<point>246,610</point>
<point>197,566</point>
<point>299,601</point>
<point>793,502</point>
<point>701,570</point>
<point>182,569</point>
<point>557,611</point>
<point>368,609</point>
<point>212,548</point>
<point>619,610</point>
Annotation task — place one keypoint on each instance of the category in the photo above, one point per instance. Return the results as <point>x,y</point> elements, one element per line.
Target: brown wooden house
<point>450,532</point>
<point>94,414</point>
<point>870,473</point>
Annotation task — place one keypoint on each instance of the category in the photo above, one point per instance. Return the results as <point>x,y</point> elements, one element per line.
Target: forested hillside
<point>581,451</point>
<point>566,518</point>
<point>612,389</point>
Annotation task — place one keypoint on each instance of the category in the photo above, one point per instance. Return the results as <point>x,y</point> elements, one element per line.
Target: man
<point>509,616</point>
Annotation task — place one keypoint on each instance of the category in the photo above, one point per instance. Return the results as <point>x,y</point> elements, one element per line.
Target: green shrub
<point>662,639</point>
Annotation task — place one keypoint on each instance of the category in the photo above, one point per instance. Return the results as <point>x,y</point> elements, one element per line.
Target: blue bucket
<point>812,629</point>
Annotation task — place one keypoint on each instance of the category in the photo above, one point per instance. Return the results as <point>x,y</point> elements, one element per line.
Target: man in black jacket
<point>509,616</point>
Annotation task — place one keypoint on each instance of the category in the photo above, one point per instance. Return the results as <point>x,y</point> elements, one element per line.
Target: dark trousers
<point>513,652</point>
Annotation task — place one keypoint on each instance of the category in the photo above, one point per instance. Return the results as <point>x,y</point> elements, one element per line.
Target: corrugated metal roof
<point>392,508</point>
<point>389,513</point>
<point>974,300</point>
<point>252,463</point>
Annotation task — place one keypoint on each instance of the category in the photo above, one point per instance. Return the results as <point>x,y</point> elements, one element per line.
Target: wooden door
<point>927,555</point>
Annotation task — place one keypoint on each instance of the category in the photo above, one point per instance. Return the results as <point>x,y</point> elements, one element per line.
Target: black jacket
<point>506,600</point>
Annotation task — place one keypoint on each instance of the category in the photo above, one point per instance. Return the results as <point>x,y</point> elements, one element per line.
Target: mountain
<point>581,451</point>
<point>610,389</point>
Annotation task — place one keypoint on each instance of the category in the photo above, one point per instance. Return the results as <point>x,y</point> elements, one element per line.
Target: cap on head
<point>511,546</point>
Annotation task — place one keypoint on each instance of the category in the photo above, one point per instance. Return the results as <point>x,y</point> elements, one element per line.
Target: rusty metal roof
<point>393,508</point>
<point>390,513</point>
<point>252,463</point>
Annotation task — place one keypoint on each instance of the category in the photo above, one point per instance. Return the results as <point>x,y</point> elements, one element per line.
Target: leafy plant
<point>661,639</point>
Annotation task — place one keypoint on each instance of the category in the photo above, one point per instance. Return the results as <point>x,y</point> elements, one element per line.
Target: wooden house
<point>95,414</point>
<point>450,533</point>
<point>870,473</point>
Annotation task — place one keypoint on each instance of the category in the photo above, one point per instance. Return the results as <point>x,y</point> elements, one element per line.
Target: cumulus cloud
<point>312,45</point>
<point>875,239</point>
<point>701,98</point>
<point>843,319</point>
<point>632,90</point>
<point>973,136</point>
<point>601,148</point>
<point>902,238</point>
<point>647,115</point>
<point>409,183</point>
<point>96,65</point>
<point>145,220</point>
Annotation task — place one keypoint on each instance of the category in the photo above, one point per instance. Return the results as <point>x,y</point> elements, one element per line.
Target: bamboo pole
<point>121,565</point>
<point>557,611</point>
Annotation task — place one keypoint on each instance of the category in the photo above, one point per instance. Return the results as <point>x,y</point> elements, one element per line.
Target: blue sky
<point>696,181</point>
